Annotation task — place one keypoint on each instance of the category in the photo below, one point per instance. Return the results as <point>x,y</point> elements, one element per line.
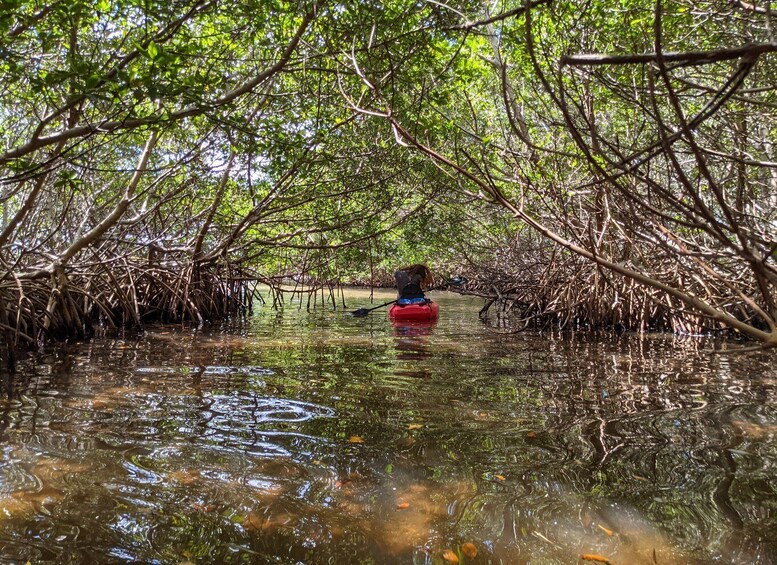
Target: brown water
<point>321,438</point>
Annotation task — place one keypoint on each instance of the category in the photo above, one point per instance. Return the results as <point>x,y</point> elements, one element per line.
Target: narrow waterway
<point>298,437</point>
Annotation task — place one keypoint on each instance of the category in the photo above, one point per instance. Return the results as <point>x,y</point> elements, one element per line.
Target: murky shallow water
<point>322,438</point>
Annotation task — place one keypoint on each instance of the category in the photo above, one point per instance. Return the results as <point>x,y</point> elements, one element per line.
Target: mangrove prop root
<point>76,304</point>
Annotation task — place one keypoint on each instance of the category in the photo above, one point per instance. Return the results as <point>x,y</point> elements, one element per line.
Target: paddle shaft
<point>364,311</point>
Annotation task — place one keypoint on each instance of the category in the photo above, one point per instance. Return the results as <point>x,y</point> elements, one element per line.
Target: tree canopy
<point>605,164</point>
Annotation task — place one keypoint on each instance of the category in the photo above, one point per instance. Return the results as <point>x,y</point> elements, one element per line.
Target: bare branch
<point>749,51</point>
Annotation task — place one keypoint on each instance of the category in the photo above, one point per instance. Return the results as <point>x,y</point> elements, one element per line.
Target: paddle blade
<point>360,313</point>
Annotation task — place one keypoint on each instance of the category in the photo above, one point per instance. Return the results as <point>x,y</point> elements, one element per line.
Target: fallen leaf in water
<point>594,557</point>
<point>403,505</point>
<point>450,557</point>
<point>469,550</point>
<point>415,426</point>
<point>356,439</point>
<point>605,530</point>
<point>500,477</point>
<point>256,521</point>
<point>185,476</point>
<point>406,442</point>
<point>531,435</point>
<point>203,507</point>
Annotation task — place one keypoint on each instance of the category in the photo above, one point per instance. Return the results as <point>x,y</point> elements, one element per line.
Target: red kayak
<point>414,312</point>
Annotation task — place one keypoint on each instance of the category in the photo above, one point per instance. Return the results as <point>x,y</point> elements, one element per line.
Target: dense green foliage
<point>186,144</point>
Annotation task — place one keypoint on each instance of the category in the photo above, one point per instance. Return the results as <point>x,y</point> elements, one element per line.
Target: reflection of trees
<point>413,349</point>
<point>234,434</point>
<point>629,425</point>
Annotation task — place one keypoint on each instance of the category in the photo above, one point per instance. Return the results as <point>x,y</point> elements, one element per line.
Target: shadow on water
<point>296,437</point>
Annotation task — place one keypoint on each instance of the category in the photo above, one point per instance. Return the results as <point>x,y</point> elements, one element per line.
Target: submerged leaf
<point>605,530</point>
<point>595,558</point>
<point>254,522</point>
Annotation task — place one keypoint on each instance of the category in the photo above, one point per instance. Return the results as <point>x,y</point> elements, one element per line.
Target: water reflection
<point>412,339</point>
<point>320,438</point>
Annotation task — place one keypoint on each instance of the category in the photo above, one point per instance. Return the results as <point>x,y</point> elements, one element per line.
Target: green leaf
<point>92,81</point>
